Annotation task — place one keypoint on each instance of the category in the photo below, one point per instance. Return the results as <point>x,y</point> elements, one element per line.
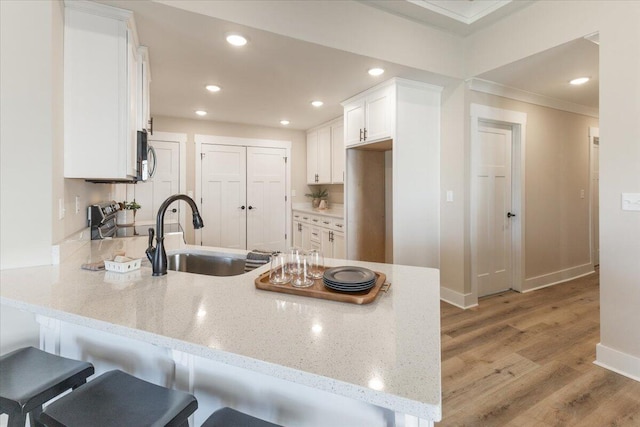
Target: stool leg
<point>17,420</point>
<point>34,417</point>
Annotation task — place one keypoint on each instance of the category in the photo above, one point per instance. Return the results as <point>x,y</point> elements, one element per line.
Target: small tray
<point>319,290</point>
<point>122,267</point>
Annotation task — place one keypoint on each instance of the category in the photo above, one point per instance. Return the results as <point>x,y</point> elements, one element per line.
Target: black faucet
<point>157,255</point>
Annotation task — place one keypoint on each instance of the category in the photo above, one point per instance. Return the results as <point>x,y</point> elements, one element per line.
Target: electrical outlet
<point>582,194</point>
<point>293,193</point>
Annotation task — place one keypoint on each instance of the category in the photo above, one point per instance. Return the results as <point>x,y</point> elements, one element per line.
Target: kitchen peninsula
<point>289,359</point>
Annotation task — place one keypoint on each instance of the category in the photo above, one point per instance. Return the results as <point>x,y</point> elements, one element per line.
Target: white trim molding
<point>518,122</point>
<point>492,88</point>
<point>181,138</point>
<point>557,277</point>
<point>463,301</point>
<point>617,361</point>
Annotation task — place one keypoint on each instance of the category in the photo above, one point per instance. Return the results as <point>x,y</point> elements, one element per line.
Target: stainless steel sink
<point>212,265</point>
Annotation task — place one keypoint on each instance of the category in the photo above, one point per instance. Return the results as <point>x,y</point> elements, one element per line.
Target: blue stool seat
<point>30,377</point>
<point>116,399</point>
<point>227,417</point>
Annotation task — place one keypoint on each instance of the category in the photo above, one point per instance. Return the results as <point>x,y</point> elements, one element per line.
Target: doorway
<point>242,187</point>
<point>168,178</point>
<point>497,194</point>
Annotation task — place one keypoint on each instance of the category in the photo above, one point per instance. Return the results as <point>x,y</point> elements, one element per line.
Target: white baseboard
<point>617,361</point>
<point>458,299</point>
<point>539,282</point>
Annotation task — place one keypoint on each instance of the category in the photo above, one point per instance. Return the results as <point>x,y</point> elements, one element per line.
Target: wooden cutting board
<point>319,290</point>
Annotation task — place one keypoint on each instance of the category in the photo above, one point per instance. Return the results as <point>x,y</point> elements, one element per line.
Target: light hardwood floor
<point>527,360</point>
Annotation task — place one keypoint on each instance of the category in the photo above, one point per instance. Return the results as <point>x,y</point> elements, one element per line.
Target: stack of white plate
<point>349,279</point>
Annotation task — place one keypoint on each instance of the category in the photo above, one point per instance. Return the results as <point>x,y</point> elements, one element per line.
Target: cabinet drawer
<point>315,234</point>
<point>338,224</point>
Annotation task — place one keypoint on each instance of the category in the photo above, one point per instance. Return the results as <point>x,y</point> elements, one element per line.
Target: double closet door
<point>243,202</point>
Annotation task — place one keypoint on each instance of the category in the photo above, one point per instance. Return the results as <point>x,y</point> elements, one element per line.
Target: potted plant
<point>127,213</point>
<point>317,195</point>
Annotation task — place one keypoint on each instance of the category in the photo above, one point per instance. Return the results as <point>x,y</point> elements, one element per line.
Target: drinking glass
<point>293,255</point>
<point>300,276</point>
<point>316,264</point>
<point>279,273</point>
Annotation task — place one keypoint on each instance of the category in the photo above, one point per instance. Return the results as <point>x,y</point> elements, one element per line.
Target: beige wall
<point>617,24</point>
<point>208,127</point>
<point>556,171</point>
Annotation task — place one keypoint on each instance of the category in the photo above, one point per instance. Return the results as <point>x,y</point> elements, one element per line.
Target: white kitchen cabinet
<point>101,83</point>
<point>337,153</point>
<point>143,92</point>
<point>317,231</point>
<point>319,156</point>
<point>392,182</point>
<point>325,153</point>
<point>369,117</point>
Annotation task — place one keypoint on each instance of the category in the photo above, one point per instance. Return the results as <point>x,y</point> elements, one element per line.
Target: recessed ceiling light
<point>376,71</point>
<point>213,88</point>
<point>317,103</point>
<point>201,112</point>
<point>236,39</point>
<point>284,122</point>
<point>579,81</point>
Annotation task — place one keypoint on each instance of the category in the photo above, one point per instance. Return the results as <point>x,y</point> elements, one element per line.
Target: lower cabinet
<point>319,232</point>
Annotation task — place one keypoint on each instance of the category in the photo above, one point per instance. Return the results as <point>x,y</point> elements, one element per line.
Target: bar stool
<point>30,377</point>
<point>116,399</point>
<point>228,417</point>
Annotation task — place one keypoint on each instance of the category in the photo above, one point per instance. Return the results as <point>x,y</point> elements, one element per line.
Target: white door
<point>595,193</point>
<point>492,175</point>
<point>266,198</point>
<point>312,157</point>
<point>339,247</point>
<point>338,154</point>
<point>164,183</point>
<point>223,206</point>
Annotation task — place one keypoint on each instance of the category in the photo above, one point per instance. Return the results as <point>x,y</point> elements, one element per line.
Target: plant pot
<point>315,203</point>
<point>125,217</point>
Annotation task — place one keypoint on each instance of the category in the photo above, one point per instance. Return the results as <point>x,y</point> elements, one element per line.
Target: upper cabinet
<point>369,117</point>
<point>325,153</point>
<point>106,93</point>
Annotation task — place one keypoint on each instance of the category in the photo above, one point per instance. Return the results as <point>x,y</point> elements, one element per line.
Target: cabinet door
<point>306,237</point>
<point>378,115</point>
<point>297,234</point>
<point>353,123</point>
<point>339,246</point>
<point>324,155</point>
<point>326,243</point>
<point>337,154</point>
<point>134,81</point>
<point>96,98</point>
<point>312,157</point>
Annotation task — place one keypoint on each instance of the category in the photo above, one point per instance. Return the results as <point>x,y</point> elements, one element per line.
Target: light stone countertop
<point>335,211</point>
<point>386,353</point>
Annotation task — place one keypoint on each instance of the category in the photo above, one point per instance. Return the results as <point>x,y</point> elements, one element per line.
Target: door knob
<point>251,207</point>
<point>174,210</point>
<point>510,215</point>
<point>242,207</point>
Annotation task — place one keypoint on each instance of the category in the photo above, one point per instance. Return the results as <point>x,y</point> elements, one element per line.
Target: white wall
<point>26,131</point>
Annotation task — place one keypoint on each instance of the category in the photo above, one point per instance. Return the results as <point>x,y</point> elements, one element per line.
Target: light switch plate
<point>631,201</point>
<point>449,196</point>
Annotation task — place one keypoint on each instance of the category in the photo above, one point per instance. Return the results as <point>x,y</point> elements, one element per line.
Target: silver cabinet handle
<point>360,135</point>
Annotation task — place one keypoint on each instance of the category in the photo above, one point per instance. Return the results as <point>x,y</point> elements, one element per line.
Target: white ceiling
<point>276,77</point>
